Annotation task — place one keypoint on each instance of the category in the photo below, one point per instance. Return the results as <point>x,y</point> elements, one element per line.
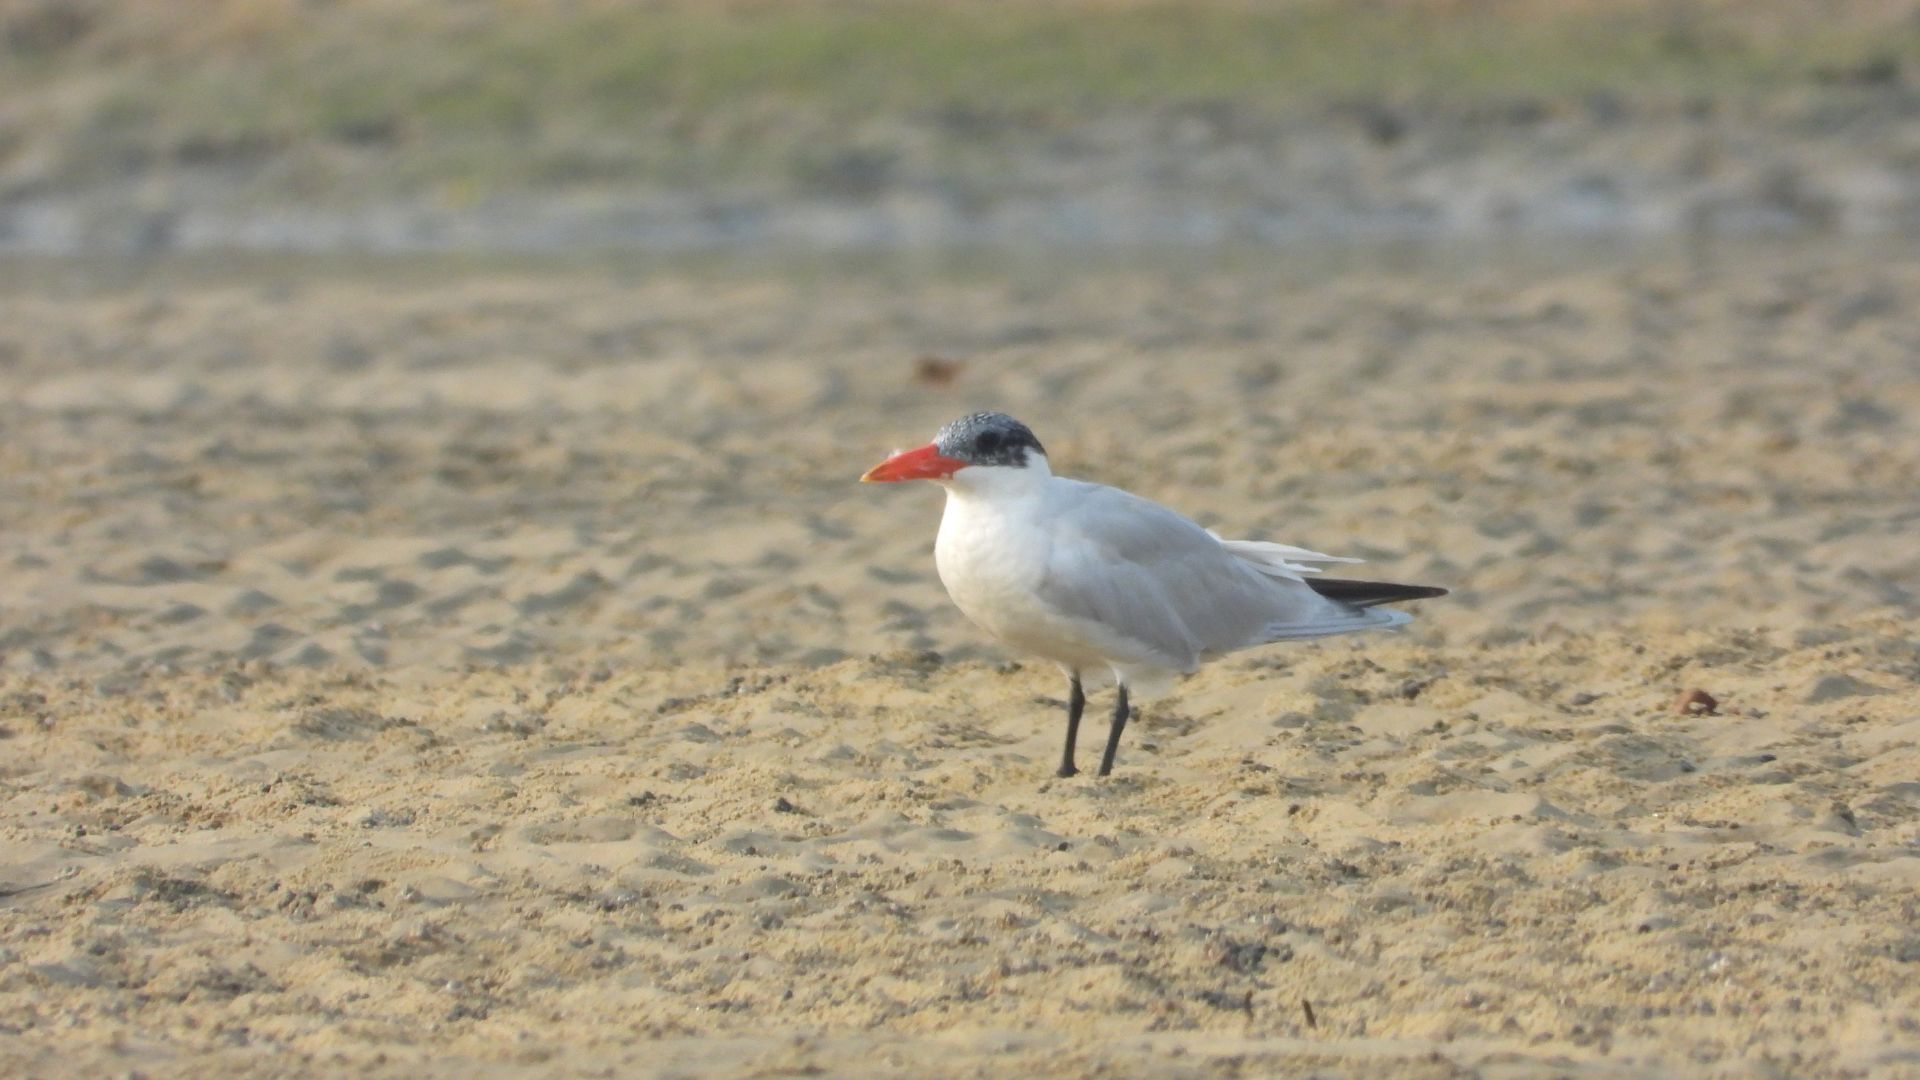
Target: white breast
<point>993,555</point>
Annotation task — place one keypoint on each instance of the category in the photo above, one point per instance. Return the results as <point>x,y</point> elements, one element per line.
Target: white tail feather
<point>1369,619</point>
<point>1279,560</point>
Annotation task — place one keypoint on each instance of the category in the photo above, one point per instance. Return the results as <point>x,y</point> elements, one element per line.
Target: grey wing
<point>1159,580</point>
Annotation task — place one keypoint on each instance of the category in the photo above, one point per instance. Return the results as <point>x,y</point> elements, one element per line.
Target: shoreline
<point>1122,185</point>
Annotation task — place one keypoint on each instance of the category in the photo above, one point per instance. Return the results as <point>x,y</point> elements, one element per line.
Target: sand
<point>496,669</point>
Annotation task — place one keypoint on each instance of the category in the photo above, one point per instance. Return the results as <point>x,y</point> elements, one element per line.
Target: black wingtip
<point>1369,593</point>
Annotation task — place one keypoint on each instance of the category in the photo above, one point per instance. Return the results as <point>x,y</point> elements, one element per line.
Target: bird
<point>1098,580</point>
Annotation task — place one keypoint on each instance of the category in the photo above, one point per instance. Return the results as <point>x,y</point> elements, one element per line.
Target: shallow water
<point>1300,262</point>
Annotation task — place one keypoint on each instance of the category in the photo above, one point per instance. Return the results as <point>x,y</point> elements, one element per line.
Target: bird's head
<point>983,441</point>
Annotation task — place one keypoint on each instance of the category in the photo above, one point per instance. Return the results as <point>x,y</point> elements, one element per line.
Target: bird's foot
<point>1065,771</point>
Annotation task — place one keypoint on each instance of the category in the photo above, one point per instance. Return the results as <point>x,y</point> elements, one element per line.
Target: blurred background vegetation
<point>344,101</point>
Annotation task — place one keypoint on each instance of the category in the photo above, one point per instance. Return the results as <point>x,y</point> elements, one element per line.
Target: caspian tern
<point>1093,578</point>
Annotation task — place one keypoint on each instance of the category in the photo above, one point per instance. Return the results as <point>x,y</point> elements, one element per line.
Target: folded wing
<point>1161,582</point>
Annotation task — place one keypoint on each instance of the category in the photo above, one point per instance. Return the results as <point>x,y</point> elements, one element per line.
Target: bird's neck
<point>1000,484</point>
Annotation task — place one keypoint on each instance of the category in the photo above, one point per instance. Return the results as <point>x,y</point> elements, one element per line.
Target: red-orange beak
<point>926,463</point>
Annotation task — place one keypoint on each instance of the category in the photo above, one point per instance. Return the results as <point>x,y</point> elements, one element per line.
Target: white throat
<point>1000,482</point>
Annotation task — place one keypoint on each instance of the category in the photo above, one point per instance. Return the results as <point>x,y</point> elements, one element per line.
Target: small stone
<point>1695,703</point>
<point>936,370</point>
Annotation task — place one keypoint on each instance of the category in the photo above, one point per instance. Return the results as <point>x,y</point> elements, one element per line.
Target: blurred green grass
<point>484,98</point>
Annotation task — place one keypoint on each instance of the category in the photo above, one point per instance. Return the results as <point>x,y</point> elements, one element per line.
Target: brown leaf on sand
<point>1695,703</point>
<point>937,370</point>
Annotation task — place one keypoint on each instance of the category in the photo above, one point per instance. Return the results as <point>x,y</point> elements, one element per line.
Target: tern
<point>1098,580</point>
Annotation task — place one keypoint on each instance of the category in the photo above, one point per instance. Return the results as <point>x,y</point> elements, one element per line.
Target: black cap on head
<point>987,438</point>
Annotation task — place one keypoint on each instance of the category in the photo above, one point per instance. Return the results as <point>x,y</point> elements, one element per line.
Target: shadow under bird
<point>1098,580</point>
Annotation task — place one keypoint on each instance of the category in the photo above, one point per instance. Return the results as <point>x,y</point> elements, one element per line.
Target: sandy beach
<point>486,669</point>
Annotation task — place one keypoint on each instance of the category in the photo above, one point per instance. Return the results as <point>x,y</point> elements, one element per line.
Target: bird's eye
<point>987,442</point>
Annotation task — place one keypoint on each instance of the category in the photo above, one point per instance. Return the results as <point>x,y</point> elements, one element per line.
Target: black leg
<point>1113,733</point>
<point>1076,704</point>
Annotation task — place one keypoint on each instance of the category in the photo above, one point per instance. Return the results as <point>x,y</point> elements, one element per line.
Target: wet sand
<point>462,672</point>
